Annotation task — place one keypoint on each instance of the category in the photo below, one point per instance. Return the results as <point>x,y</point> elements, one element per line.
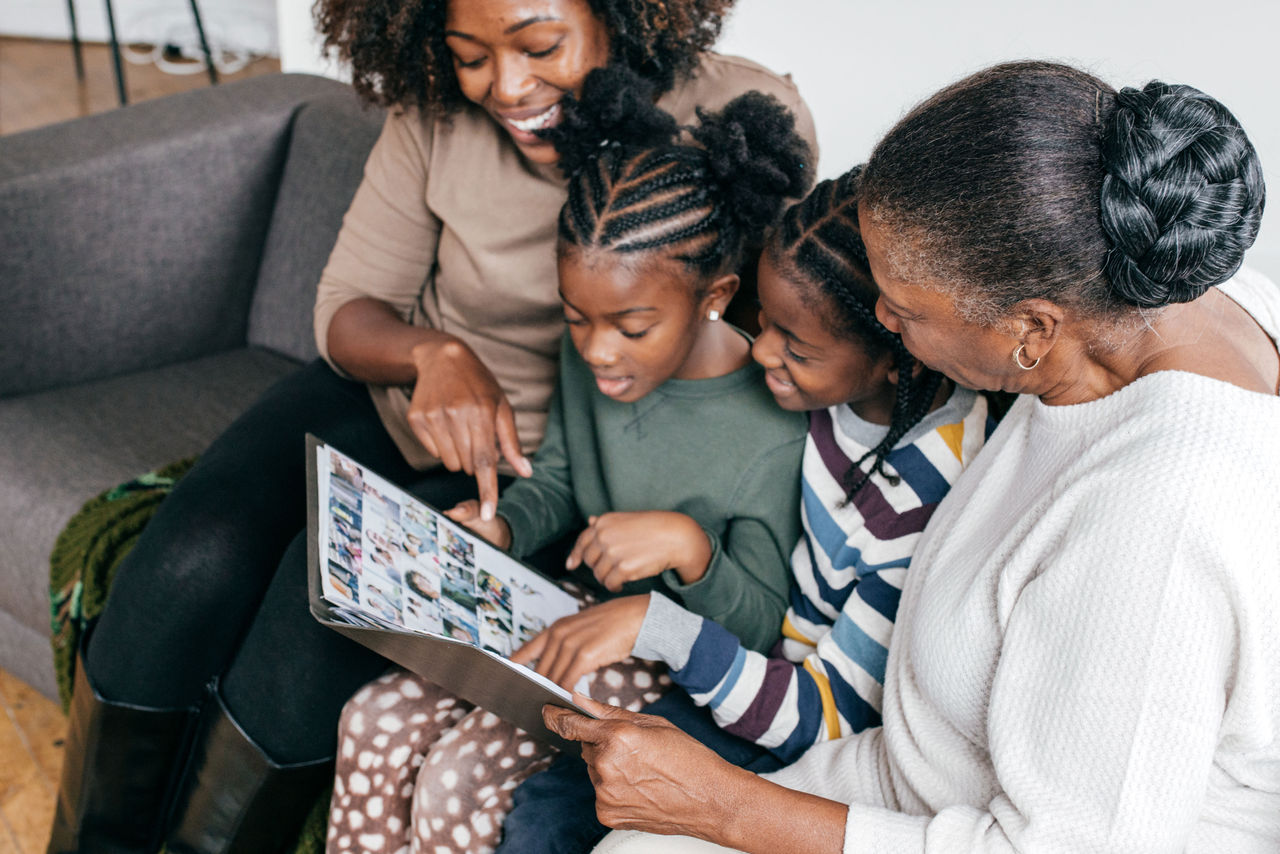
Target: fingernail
<point>486,511</point>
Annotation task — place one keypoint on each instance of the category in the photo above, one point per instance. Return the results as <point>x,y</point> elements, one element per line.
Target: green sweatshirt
<point>718,450</point>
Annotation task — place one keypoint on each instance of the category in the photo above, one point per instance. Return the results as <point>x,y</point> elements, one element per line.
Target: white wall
<point>245,25</point>
<point>862,63</point>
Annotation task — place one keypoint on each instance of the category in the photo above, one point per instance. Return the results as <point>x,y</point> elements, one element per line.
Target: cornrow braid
<point>636,185</point>
<point>820,240</point>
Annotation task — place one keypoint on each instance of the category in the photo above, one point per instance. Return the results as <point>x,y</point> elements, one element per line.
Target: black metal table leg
<point>115,55</point>
<point>75,41</point>
<point>204,44</point>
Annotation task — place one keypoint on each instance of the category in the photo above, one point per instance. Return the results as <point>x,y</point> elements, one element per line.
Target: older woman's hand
<point>649,775</point>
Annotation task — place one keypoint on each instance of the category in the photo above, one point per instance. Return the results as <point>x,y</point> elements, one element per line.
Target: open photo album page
<point>391,561</point>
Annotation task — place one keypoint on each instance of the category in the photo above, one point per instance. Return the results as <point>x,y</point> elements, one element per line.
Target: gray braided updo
<point>1182,196</point>
<point>1037,180</point>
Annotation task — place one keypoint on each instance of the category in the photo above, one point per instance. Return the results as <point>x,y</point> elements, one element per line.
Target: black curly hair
<point>818,244</point>
<point>638,184</point>
<point>399,58</point>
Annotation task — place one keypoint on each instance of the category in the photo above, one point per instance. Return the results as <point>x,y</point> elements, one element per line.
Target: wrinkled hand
<point>582,643</point>
<point>495,530</point>
<point>649,775</point>
<point>460,415</point>
<point>622,547</point>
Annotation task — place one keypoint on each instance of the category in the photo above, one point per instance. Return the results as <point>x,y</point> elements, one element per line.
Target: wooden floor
<point>38,84</point>
<point>38,87</point>
<point>31,732</point>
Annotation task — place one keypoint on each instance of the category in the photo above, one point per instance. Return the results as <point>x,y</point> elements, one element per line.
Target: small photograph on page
<point>346,471</point>
<point>423,615</point>
<point>376,502</point>
<point>458,584</point>
<point>382,599</point>
<point>344,545</point>
<point>344,581</point>
<point>459,624</point>
<point>344,509</point>
<point>493,610</point>
<point>457,548</point>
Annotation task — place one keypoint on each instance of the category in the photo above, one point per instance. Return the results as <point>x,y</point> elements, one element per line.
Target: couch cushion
<point>132,238</point>
<point>63,447</point>
<point>331,139</point>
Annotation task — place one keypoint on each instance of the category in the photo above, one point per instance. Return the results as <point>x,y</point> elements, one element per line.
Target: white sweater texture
<point>1087,653</point>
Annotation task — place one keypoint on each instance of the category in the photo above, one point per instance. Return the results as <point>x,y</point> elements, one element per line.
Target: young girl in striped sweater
<point>887,438</point>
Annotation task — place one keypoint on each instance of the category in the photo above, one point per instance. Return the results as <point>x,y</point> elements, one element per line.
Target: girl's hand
<point>461,416</point>
<point>584,642</point>
<point>622,547</point>
<point>495,530</point>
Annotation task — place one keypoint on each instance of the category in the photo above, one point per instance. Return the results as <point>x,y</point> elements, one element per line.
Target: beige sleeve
<point>387,245</point>
<point>804,122</point>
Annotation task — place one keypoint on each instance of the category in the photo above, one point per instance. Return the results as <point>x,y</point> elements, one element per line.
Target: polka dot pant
<point>423,772</point>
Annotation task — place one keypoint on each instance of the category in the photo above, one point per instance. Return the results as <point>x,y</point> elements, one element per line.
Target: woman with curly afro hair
<point>211,697</point>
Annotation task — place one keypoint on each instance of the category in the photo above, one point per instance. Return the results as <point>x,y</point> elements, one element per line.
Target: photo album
<point>396,575</point>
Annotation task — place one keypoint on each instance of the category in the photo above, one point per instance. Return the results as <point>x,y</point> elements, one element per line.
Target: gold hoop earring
<point>1017,359</point>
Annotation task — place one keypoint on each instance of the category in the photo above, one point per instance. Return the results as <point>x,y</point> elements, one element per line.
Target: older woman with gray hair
<point>1087,652</point>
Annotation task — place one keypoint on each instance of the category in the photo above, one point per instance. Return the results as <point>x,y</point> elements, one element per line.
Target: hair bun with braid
<point>1182,196</point>
<point>616,108</point>
<point>757,157</point>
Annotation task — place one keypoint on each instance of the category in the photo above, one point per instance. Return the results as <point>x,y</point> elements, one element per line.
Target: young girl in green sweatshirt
<point>664,448</point>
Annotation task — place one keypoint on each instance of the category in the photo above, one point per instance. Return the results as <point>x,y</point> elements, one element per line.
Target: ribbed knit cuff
<point>520,524</point>
<point>668,633</point>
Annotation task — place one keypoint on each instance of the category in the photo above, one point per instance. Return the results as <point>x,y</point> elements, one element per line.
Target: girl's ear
<point>719,294</point>
<point>892,374</point>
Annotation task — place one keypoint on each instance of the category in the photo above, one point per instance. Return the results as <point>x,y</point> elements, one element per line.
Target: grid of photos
<point>401,565</point>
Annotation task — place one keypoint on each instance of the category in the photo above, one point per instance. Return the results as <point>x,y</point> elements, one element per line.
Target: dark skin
<point>650,776</point>
<point>516,59</point>
<point>637,322</point>
<point>1211,336</point>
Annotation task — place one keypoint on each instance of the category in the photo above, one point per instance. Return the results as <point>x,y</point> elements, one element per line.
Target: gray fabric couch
<point>158,266</point>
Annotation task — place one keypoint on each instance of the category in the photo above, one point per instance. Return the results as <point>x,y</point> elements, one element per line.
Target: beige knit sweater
<point>453,228</point>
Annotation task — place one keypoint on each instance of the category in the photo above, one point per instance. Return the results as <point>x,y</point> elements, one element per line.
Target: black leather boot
<point>119,773</point>
<point>235,798</point>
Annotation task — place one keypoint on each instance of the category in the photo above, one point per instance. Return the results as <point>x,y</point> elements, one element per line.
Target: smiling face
<point>975,355</point>
<point>807,364</point>
<point>634,321</point>
<point>517,59</point>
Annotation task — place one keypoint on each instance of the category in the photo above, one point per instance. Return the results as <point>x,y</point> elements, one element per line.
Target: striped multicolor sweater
<point>824,679</point>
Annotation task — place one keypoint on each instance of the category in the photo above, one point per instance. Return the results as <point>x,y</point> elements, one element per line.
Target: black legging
<point>216,585</point>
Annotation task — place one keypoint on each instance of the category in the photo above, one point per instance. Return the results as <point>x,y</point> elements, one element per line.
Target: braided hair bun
<point>1182,196</point>
<point>616,108</point>
<point>638,182</point>
<point>754,152</point>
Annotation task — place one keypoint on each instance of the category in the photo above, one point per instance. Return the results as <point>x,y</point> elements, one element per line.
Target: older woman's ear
<point>1036,325</point>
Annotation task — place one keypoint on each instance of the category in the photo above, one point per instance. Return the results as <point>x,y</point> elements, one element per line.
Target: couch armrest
<point>132,239</point>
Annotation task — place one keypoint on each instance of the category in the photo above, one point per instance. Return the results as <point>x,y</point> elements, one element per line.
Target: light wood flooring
<point>38,83</point>
<point>38,87</point>
<point>31,732</point>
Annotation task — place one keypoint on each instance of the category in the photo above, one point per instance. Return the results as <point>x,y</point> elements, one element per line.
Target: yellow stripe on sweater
<point>790,631</point>
<point>828,701</point>
<point>953,435</point>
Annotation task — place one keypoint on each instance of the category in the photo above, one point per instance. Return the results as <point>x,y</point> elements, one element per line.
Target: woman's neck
<point>1212,337</point>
